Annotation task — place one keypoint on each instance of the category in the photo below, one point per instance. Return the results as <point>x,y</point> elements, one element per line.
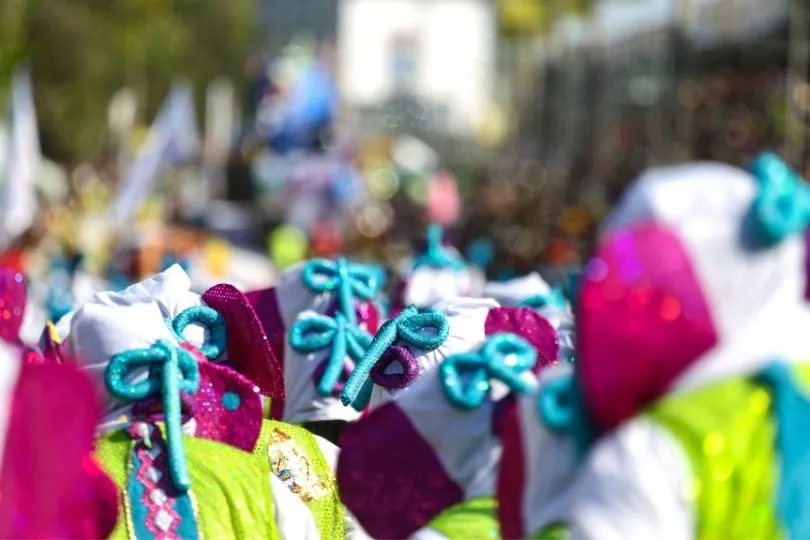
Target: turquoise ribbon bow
<point>562,410</point>
<point>436,255</point>
<point>465,377</point>
<point>216,341</point>
<point>553,299</point>
<point>424,331</point>
<point>349,280</point>
<point>782,206</point>
<point>171,370</point>
<point>318,332</point>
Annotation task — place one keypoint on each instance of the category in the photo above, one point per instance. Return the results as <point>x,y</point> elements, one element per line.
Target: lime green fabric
<point>231,490</point>
<point>553,532</point>
<point>729,436</point>
<point>294,456</point>
<point>475,519</point>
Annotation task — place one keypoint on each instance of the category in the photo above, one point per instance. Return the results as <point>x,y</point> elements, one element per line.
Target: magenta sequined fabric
<point>50,485</point>
<point>389,477</point>
<point>531,326</point>
<point>643,320</point>
<point>248,345</point>
<point>511,472</point>
<point>265,305</point>
<point>227,407</point>
<point>13,299</point>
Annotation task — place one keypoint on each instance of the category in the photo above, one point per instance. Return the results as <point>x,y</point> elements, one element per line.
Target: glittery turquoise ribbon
<point>216,340</point>
<point>562,410</point>
<point>318,333</point>
<point>553,299</point>
<point>424,331</point>
<point>465,378</point>
<point>436,255</point>
<point>348,280</point>
<point>171,370</point>
<point>782,206</point>
<point>791,407</point>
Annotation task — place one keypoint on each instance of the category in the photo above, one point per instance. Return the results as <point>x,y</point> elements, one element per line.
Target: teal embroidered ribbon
<point>318,332</point>
<point>171,370</point>
<point>465,378</point>
<point>782,206</point>
<point>348,280</point>
<point>436,255</point>
<point>216,340</point>
<point>423,331</point>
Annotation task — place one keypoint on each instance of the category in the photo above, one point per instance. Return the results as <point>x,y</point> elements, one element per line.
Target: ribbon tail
<point>354,384</point>
<point>178,467</point>
<point>334,368</point>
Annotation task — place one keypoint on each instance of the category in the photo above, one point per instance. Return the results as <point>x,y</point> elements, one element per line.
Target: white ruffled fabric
<point>427,286</point>
<point>466,318</point>
<point>515,291</point>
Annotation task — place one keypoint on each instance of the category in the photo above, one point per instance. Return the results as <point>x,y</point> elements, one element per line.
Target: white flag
<point>18,203</point>
<point>172,139</point>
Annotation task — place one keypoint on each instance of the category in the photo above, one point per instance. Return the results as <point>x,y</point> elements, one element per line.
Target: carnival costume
<point>425,461</point>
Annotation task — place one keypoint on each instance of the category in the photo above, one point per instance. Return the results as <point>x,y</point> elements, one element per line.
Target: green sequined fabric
<point>729,436</point>
<point>475,519</point>
<point>231,490</point>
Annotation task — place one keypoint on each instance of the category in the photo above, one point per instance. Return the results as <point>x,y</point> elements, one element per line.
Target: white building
<point>441,53</point>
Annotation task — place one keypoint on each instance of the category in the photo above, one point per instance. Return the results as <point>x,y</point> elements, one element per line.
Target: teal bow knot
<point>216,342</point>
<point>424,331</point>
<point>465,378</point>
<point>348,280</point>
<point>554,299</point>
<point>318,332</point>
<point>171,370</point>
<point>782,206</point>
<point>436,255</point>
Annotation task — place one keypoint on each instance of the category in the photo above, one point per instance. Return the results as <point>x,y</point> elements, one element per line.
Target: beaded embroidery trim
<point>294,468</point>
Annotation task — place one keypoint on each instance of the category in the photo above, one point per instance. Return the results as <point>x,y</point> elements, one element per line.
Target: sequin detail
<point>286,456</point>
<point>239,426</point>
<point>265,304</point>
<point>389,476</point>
<point>13,300</point>
<point>248,345</point>
<point>631,346</point>
<point>529,325</point>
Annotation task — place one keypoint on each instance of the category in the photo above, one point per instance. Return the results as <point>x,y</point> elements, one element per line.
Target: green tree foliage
<point>82,51</point>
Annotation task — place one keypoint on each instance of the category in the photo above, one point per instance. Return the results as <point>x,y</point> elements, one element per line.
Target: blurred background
<point>240,136</point>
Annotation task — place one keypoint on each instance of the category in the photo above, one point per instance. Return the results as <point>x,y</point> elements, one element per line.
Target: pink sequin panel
<point>227,407</point>
<point>642,321</point>
<point>512,471</point>
<point>248,345</point>
<point>50,486</point>
<point>531,326</point>
<point>265,304</point>
<point>389,477</point>
<point>13,299</point>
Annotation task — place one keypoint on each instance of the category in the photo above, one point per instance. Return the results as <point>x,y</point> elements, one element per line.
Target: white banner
<point>18,203</point>
<point>172,139</point>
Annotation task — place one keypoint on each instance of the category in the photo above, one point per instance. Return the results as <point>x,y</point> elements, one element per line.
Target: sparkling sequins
<point>529,325</point>
<point>286,457</point>
<point>248,346</point>
<point>13,299</point>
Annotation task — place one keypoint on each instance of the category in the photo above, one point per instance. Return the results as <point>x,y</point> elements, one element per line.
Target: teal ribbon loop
<point>782,206</point>
<point>171,370</point>
<point>348,280</point>
<point>465,378</point>
<point>318,332</point>
<point>436,255</point>
<point>554,299</point>
<point>423,331</point>
<point>216,341</point>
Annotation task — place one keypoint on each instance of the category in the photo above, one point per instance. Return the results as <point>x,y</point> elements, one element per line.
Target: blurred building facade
<point>421,66</point>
